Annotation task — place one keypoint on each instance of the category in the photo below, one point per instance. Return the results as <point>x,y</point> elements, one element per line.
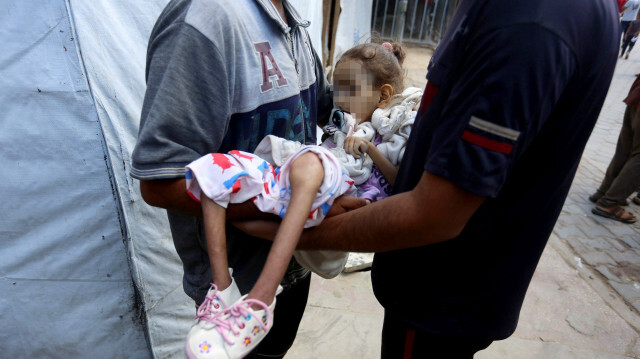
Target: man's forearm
<point>393,223</point>
<point>434,212</point>
<point>172,194</point>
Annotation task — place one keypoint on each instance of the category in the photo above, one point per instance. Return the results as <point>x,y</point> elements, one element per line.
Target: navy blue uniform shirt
<point>513,93</point>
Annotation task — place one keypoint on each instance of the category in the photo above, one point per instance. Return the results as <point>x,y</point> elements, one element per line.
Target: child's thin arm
<point>356,146</point>
<point>389,171</point>
<point>214,217</point>
<point>305,177</point>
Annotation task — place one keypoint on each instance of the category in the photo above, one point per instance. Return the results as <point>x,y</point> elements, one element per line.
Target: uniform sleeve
<point>186,106</point>
<point>508,85</point>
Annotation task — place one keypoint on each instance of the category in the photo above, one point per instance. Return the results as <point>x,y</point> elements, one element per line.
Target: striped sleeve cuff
<point>165,171</point>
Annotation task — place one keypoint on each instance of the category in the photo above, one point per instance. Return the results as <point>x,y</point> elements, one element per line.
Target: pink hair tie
<point>387,46</point>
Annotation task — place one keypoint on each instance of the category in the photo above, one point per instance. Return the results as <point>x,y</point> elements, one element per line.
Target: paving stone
<point>525,349</point>
<point>598,230</point>
<point>630,272</point>
<point>581,324</point>
<point>636,305</point>
<point>568,231</point>
<point>595,258</point>
<point>590,171</point>
<point>582,221</point>
<point>629,291</point>
<point>605,271</point>
<point>617,244</point>
<point>632,241</point>
<point>602,158</point>
<point>579,193</point>
<point>636,350</point>
<point>625,273</point>
<point>331,333</point>
<point>629,256</point>
<point>598,243</point>
<point>579,208</point>
<point>576,244</point>
<point>579,184</point>
<point>586,205</point>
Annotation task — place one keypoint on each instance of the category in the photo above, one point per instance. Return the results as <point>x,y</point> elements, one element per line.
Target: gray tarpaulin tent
<point>87,270</point>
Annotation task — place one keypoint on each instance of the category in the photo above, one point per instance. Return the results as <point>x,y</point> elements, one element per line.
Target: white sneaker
<point>216,300</point>
<point>232,333</point>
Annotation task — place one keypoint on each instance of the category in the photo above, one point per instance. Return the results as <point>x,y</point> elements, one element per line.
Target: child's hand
<point>356,146</point>
<point>345,204</point>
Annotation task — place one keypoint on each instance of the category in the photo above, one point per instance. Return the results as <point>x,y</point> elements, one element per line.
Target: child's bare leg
<point>305,177</point>
<point>214,217</point>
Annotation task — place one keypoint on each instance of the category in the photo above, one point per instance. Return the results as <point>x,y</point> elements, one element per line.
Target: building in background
<point>349,22</point>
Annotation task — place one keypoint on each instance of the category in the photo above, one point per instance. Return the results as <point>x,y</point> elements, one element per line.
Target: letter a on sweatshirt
<point>264,49</point>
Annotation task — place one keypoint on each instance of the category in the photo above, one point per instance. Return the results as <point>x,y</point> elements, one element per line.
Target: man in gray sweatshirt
<point>221,75</point>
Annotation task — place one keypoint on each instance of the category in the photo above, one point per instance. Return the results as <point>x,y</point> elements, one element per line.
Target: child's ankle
<point>223,284</point>
<point>223,280</point>
<point>230,294</point>
<point>264,296</point>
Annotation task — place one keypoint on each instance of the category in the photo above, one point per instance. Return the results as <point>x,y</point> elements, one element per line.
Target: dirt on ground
<point>415,65</point>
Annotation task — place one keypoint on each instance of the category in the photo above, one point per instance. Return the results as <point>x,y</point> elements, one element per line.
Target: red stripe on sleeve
<point>429,93</point>
<point>487,142</point>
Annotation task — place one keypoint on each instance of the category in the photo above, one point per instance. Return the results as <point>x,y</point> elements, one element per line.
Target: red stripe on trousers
<point>408,344</point>
<point>487,142</point>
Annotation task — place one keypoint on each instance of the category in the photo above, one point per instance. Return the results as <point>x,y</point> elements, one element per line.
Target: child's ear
<point>386,93</point>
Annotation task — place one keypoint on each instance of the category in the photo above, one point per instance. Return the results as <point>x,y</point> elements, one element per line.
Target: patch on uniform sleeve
<point>490,135</point>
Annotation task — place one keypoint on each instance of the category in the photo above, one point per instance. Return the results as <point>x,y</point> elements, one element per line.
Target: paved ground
<point>583,302</point>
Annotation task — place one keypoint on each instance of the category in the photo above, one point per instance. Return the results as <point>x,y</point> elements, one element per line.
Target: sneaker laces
<point>230,320</point>
<point>211,305</point>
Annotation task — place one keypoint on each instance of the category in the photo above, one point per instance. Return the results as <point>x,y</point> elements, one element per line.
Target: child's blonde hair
<point>382,60</point>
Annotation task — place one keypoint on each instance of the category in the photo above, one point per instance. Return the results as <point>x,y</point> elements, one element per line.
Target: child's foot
<point>233,333</point>
<point>217,300</point>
